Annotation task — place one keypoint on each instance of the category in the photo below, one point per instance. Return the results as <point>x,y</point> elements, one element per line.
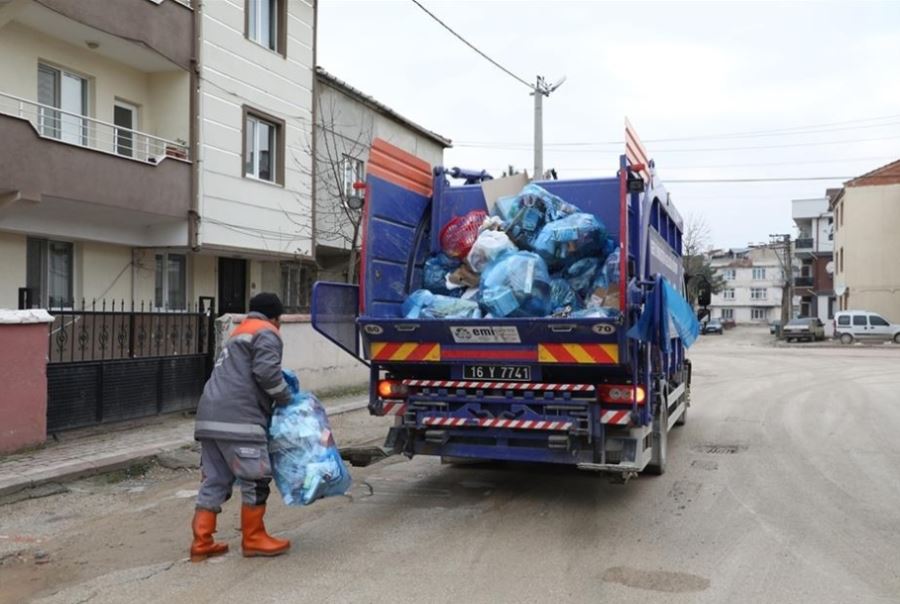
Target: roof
<point>888,174</point>
<point>380,107</point>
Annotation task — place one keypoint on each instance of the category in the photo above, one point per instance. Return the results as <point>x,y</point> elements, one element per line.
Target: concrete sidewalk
<point>106,448</point>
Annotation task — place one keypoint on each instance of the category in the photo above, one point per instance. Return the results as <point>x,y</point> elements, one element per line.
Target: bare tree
<point>699,272</point>
<point>342,144</point>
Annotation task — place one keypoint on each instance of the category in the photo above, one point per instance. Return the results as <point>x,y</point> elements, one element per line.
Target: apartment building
<point>155,151</point>
<point>348,120</point>
<point>754,278</point>
<point>813,255</point>
<point>867,248</point>
<point>96,164</point>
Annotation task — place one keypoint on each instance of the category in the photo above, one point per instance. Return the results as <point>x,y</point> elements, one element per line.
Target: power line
<point>472,46</point>
<point>698,149</point>
<point>794,131</point>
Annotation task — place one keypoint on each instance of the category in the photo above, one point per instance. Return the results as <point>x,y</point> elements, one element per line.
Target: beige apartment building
<point>155,151</point>
<point>866,242</point>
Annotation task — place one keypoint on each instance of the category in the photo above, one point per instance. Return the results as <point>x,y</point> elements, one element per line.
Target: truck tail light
<point>392,389</point>
<point>623,394</point>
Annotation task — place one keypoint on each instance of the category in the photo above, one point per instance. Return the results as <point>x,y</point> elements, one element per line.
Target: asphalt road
<point>783,487</point>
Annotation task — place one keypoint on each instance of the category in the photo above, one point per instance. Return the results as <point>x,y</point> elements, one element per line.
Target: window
<point>841,260</point>
<point>728,274</point>
<point>876,321</point>
<point>859,320</point>
<point>49,272</point>
<point>844,320</point>
<point>266,20</point>
<point>68,93</point>
<point>759,314</point>
<point>830,228</point>
<point>841,214</point>
<point>728,293</point>
<point>171,281</point>
<point>758,293</point>
<point>353,173</point>
<point>727,313</point>
<point>296,282</point>
<point>759,273</point>
<point>263,144</point>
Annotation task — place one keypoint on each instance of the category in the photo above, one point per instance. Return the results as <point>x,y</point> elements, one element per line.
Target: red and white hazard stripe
<point>620,418</point>
<point>515,424</point>
<point>445,421</point>
<point>500,385</point>
<point>393,408</point>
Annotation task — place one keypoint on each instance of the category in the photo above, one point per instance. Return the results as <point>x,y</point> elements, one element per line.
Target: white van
<point>850,325</point>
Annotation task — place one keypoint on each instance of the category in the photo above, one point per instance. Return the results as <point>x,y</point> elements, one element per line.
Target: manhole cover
<point>720,449</point>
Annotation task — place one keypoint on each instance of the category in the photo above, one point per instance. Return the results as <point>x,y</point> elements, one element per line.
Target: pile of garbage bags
<point>536,256</point>
<point>306,463</point>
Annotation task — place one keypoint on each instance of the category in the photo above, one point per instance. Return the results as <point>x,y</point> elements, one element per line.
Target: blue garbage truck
<point>600,394</point>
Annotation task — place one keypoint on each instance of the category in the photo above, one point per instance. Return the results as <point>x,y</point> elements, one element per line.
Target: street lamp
<point>540,90</point>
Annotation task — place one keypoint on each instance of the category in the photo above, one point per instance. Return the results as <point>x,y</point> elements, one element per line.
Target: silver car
<point>851,325</point>
<point>804,329</point>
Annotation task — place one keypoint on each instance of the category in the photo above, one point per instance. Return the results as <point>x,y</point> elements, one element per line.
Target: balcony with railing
<point>803,281</point>
<point>804,244</point>
<point>82,131</point>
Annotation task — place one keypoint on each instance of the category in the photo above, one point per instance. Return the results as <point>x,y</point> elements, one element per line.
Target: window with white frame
<point>352,173</point>
<point>727,313</point>
<point>171,281</point>
<point>759,314</point>
<point>759,274</point>
<point>728,274</point>
<point>263,145</point>
<point>265,23</point>
<point>758,293</point>
<point>67,93</point>
<point>728,293</point>
<point>49,272</point>
<point>296,286</point>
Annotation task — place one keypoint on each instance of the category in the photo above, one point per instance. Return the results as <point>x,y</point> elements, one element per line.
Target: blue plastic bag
<point>306,463</point>
<point>516,285</point>
<point>569,239</point>
<point>526,214</point>
<point>422,304</point>
<point>436,269</point>
<point>581,275</point>
<point>562,296</point>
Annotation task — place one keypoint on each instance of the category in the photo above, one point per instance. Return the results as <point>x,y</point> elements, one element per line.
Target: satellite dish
<point>829,268</point>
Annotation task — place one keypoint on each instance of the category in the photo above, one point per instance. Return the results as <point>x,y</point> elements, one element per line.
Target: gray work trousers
<point>223,462</point>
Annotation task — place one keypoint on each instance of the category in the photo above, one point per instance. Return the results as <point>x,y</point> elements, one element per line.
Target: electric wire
<point>473,47</point>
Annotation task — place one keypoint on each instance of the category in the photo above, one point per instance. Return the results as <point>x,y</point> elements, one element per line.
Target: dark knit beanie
<point>268,304</point>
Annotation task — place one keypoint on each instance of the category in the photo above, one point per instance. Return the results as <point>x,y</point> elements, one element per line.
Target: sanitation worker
<point>232,421</point>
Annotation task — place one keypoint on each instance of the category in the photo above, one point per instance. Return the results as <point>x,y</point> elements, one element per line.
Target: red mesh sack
<point>459,235</point>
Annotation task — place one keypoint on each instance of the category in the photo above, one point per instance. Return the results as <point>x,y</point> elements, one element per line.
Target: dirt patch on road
<point>655,580</point>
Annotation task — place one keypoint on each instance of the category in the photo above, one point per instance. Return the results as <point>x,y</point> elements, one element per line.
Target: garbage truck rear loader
<point>598,392</point>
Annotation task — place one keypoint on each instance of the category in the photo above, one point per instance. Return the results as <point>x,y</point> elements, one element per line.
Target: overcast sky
<point>678,70</point>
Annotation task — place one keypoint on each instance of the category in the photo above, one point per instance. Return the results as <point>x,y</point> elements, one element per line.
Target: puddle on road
<point>655,580</point>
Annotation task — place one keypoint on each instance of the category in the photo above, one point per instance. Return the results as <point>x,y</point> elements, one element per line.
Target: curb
<point>102,464</point>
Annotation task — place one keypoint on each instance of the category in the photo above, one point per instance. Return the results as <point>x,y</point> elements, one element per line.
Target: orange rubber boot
<point>203,546</point>
<point>256,541</point>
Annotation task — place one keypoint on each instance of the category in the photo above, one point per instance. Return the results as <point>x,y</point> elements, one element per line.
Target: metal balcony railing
<point>74,129</point>
<point>803,281</point>
<point>804,243</point>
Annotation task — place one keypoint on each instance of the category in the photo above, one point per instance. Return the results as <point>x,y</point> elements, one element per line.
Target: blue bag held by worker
<point>306,463</point>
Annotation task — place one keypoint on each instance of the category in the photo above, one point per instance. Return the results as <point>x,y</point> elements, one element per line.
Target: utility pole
<point>540,90</point>
<point>787,266</point>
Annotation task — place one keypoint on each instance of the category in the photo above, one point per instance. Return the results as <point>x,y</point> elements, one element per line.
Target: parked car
<point>713,326</point>
<point>729,323</point>
<point>773,327</point>
<point>850,325</point>
<point>804,328</point>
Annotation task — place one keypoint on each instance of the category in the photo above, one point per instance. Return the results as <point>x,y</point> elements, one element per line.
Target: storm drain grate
<point>720,449</point>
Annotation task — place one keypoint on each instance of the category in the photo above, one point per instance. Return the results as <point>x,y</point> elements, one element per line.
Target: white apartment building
<point>753,285</point>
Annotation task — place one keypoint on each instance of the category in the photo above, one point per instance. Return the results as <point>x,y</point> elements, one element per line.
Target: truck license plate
<point>506,373</point>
